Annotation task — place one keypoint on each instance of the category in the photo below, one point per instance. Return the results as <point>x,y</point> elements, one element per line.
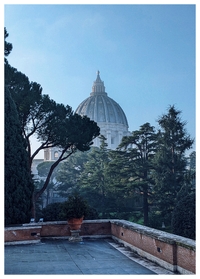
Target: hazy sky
<point>145,55</point>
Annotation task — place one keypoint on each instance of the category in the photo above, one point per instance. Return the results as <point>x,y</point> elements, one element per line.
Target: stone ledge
<point>35,224</point>
<point>97,221</point>
<point>22,242</point>
<point>83,236</point>
<point>46,223</point>
<point>23,227</point>
<point>157,234</point>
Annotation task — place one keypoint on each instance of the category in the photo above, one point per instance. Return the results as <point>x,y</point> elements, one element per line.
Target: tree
<point>184,216</point>
<point>18,180</point>
<point>141,146</point>
<point>69,172</point>
<point>54,125</point>
<point>191,171</point>
<point>7,46</point>
<point>124,196</point>
<point>169,162</point>
<point>74,133</point>
<point>93,180</point>
<point>39,115</point>
<point>43,170</point>
<point>192,165</point>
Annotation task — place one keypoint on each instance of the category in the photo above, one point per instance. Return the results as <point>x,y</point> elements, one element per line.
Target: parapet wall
<point>173,252</point>
<point>170,251</point>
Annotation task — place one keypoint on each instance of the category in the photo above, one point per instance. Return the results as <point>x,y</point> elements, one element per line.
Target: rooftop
<point>100,247</point>
<point>90,256</point>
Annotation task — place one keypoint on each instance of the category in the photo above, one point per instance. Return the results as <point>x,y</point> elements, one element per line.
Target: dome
<point>100,108</point>
<point>108,115</point>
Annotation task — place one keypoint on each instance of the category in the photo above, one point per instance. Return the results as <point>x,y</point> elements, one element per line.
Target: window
<point>56,154</point>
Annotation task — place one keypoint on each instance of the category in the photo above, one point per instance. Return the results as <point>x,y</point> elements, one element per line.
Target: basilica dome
<point>101,108</point>
<point>107,113</point>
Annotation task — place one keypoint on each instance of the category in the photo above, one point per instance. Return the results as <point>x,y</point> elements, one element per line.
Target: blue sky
<point>145,55</point>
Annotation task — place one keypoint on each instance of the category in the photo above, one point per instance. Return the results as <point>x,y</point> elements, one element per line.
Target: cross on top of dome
<point>98,79</point>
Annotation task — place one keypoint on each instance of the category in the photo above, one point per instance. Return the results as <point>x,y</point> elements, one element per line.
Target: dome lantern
<point>98,85</point>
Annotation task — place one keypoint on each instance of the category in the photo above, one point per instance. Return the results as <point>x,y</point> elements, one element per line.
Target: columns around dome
<point>113,134</point>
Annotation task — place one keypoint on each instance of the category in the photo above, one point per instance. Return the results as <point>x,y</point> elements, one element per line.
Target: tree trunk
<point>145,205</point>
<point>41,191</point>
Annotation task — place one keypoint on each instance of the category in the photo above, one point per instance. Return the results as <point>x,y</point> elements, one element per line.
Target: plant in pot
<point>74,210</point>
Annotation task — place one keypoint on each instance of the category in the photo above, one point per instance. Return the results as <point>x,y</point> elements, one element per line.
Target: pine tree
<point>169,162</point>
<point>93,180</point>
<point>140,149</point>
<point>54,125</point>
<point>124,196</point>
<point>69,172</point>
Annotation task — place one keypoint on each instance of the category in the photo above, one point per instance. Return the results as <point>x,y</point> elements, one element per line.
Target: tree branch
<point>61,158</point>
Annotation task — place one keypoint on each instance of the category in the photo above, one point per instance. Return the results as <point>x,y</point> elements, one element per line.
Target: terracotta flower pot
<point>75,223</point>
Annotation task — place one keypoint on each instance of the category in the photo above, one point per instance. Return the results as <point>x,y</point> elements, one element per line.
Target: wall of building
<point>173,252</point>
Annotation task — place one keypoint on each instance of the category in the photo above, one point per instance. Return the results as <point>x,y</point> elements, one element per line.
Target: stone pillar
<point>108,136</point>
<point>75,237</point>
<point>120,135</point>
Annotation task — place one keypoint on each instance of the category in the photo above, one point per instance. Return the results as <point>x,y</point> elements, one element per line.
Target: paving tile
<point>62,257</point>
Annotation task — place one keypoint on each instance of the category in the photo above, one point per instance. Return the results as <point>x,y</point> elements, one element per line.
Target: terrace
<point>105,247</point>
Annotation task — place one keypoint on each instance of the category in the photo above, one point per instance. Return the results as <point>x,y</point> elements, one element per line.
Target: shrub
<point>52,212</point>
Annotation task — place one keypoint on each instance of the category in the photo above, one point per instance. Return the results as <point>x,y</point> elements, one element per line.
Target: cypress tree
<point>18,181</point>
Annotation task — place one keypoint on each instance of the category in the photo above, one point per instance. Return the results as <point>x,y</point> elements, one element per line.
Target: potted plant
<point>74,210</point>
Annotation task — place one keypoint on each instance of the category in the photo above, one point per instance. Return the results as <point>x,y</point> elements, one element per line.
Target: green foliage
<point>190,175</point>
<point>94,181</point>
<point>69,172</point>
<point>43,168</point>
<point>140,149</point>
<point>18,181</point>
<point>192,157</point>
<point>146,164</point>
<point>17,176</point>
<point>26,95</point>
<point>156,220</point>
<point>184,215</point>
<point>169,162</point>
<point>57,212</point>
<point>52,212</point>
<point>74,207</point>
<point>7,46</point>
<point>54,125</point>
